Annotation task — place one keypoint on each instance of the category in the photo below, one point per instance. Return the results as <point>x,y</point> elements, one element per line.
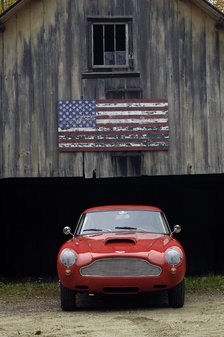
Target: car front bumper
<point>132,277</point>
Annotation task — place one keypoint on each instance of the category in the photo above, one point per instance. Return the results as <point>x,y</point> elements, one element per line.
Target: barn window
<point>110,43</point>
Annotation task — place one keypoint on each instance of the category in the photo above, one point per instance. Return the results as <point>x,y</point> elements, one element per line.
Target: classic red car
<point>122,249</point>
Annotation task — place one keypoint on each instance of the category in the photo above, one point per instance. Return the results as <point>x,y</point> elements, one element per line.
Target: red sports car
<point>122,249</point>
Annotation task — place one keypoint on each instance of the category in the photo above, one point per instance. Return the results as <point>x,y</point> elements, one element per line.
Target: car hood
<point>121,242</point>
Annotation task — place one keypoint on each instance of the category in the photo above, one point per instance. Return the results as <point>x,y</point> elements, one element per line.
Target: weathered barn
<point>168,53</point>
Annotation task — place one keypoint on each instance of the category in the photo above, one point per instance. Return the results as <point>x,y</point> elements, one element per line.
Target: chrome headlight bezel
<point>68,257</point>
<point>173,256</point>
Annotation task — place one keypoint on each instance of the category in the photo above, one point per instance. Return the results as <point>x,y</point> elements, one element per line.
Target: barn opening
<point>35,211</point>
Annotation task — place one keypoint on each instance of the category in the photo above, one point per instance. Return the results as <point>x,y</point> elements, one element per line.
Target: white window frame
<point>115,65</point>
<point>127,22</point>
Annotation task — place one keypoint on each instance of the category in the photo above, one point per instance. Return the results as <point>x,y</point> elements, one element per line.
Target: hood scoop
<point>120,240</point>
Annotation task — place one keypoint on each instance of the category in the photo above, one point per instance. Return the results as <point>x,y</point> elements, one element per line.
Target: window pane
<point>120,38</point>
<point>109,37</point>
<point>109,58</point>
<point>98,44</point>
<point>120,45</point>
<point>109,45</point>
<point>120,57</point>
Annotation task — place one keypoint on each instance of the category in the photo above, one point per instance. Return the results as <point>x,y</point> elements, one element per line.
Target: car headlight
<point>173,256</point>
<point>68,257</point>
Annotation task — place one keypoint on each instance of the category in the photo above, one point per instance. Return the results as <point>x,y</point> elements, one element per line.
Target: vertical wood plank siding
<point>178,55</point>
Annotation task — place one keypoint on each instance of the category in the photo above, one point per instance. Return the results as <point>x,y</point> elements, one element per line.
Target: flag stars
<point>77,113</point>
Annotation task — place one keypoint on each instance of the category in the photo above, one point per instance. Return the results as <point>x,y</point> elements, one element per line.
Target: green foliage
<point>5,4</point>
<point>219,4</point>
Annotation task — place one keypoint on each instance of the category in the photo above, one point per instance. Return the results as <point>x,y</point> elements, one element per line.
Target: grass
<point>28,289</point>
<point>202,284</point>
<point>31,289</point>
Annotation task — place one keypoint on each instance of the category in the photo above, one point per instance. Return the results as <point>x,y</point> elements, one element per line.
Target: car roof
<point>122,207</point>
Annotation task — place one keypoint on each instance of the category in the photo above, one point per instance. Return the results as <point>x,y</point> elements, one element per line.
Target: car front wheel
<point>176,295</point>
<point>67,298</point>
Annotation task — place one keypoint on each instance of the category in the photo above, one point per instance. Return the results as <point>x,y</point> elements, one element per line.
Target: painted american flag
<point>113,125</point>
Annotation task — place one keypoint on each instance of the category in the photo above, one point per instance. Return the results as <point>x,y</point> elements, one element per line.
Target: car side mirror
<point>67,230</point>
<point>176,229</point>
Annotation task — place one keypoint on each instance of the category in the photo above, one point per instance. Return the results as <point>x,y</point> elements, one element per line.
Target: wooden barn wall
<point>43,54</point>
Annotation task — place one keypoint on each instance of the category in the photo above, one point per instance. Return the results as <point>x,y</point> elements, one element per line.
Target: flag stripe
<point>114,148</point>
<point>111,137</point>
<point>128,108</point>
<point>113,125</point>
<point>131,101</point>
<point>124,132</point>
<point>129,118</point>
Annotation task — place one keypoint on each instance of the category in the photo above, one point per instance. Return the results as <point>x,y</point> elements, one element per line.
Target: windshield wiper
<point>126,227</point>
<point>92,230</point>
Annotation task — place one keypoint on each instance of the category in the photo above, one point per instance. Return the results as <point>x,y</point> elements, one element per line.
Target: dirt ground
<point>201,316</point>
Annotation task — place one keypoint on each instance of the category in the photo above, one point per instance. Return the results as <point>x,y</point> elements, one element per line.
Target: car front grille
<point>120,267</point>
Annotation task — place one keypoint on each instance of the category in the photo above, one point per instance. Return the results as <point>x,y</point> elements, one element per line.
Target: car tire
<point>67,298</point>
<point>176,295</point>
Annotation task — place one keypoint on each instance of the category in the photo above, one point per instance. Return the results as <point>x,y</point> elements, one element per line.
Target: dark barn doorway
<point>34,212</point>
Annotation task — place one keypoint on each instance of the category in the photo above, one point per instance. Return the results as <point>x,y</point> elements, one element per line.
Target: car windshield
<point>122,220</point>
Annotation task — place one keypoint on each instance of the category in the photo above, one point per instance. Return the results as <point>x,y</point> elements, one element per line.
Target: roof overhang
<point>11,11</point>
<point>203,4</point>
<point>211,11</point>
